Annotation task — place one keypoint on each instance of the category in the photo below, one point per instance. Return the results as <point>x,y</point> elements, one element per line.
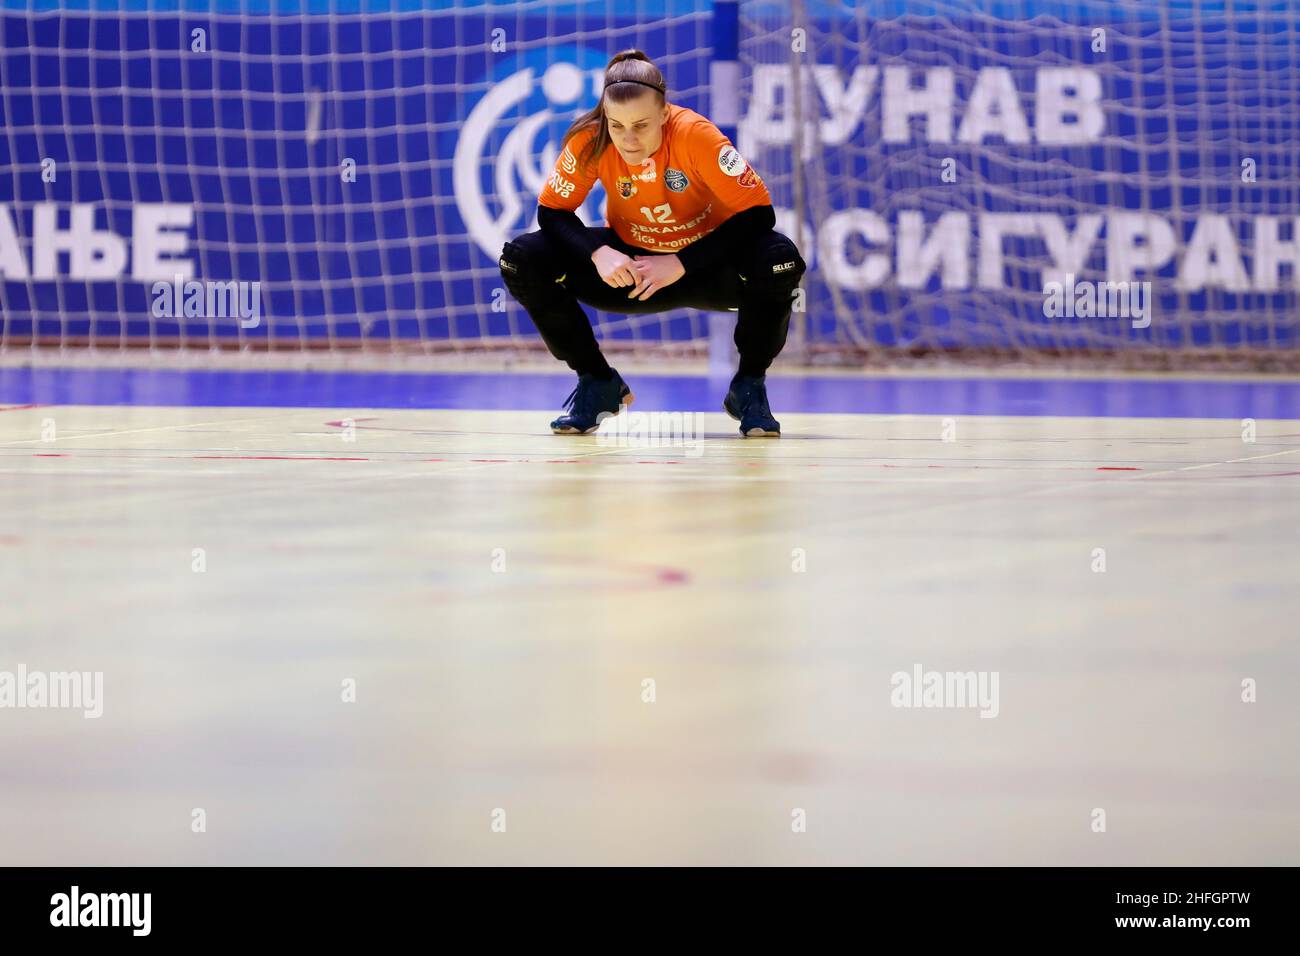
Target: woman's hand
<point>654,273</point>
<point>614,267</point>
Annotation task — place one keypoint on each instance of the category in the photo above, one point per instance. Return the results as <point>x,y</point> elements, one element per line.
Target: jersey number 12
<point>664,211</point>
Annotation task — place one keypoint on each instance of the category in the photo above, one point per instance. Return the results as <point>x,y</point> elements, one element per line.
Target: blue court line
<point>1144,398</point>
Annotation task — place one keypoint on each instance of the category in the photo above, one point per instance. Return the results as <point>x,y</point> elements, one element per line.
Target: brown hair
<point>628,65</point>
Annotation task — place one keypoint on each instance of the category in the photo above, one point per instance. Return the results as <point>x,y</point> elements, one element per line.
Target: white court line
<point>133,431</point>
<point>1125,479</point>
<point>1054,487</point>
<point>1213,464</point>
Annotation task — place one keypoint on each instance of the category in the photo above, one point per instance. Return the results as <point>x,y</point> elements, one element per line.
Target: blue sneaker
<point>746,402</point>
<point>590,402</point>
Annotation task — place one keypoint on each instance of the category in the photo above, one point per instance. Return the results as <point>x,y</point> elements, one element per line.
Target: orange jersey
<point>695,181</point>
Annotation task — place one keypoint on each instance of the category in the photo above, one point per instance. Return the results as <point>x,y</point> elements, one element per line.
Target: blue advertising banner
<point>969,179</point>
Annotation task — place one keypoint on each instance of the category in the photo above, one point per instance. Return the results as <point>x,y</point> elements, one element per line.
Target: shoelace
<point>582,398</point>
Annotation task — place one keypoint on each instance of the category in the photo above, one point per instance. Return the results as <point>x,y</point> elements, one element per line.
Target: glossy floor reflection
<point>506,603</point>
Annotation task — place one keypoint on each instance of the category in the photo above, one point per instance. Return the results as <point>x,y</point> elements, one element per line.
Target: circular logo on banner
<point>510,141</point>
<point>729,161</point>
<point>675,179</point>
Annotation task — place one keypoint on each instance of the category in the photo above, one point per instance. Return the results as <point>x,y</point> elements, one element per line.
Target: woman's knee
<point>526,265</point>
<point>773,265</point>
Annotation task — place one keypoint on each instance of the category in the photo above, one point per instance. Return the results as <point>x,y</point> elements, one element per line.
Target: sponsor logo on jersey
<point>730,161</point>
<point>783,267</point>
<point>649,172</point>
<point>675,179</point>
<point>562,186</point>
<point>568,162</point>
<point>626,188</point>
<point>749,179</point>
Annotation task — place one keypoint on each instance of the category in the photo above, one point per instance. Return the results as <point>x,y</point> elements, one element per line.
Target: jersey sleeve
<point>719,165</point>
<point>567,186</point>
